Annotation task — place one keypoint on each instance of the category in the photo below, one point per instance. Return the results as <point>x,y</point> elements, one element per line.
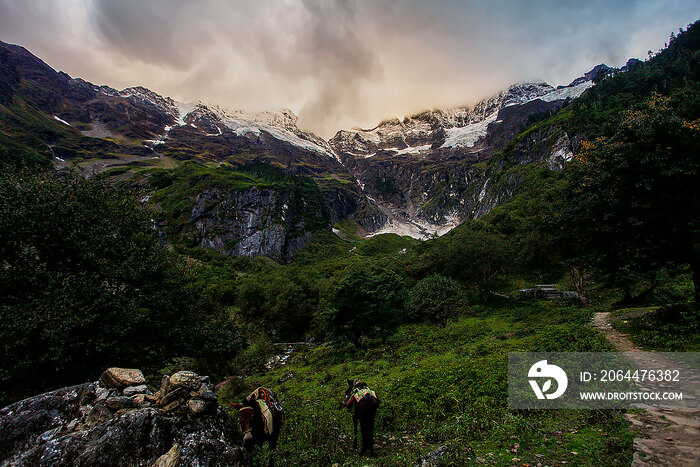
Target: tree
<point>435,299</point>
<point>281,301</point>
<point>365,304</point>
<point>633,201</point>
<point>475,252</point>
<point>84,284</point>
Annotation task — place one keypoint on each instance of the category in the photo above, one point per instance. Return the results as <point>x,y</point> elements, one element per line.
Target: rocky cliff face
<point>255,222</point>
<point>114,422</point>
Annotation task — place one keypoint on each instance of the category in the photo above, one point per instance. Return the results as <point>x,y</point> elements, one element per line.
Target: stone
<point>133,390</point>
<point>98,413</point>
<point>209,396</point>
<point>101,394</point>
<point>120,402</point>
<point>121,377</point>
<point>186,379</point>
<point>434,458</point>
<point>196,406</point>
<point>178,395</point>
<point>172,406</point>
<point>170,458</point>
<point>140,400</point>
<point>164,385</point>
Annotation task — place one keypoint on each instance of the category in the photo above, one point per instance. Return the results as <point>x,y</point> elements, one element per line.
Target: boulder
<point>434,458</point>
<point>140,400</point>
<point>164,386</point>
<point>68,427</point>
<point>121,377</point>
<point>186,379</point>
<point>178,395</point>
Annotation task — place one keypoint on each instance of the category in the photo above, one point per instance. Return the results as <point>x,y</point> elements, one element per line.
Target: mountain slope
<point>420,176</point>
<point>428,171</point>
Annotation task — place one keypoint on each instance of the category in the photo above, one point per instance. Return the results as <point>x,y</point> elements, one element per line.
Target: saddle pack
<point>359,392</point>
<point>268,403</point>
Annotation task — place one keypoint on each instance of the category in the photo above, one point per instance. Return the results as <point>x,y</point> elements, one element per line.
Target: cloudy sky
<point>337,63</point>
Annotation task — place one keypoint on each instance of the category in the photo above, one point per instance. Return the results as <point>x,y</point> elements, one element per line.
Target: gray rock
<point>434,458</point>
<point>133,390</point>
<point>101,394</point>
<point>196,406</point>
<point>120,402</point>
<point>170,458</point>
<point>178,395</point>
<point>255,222</point>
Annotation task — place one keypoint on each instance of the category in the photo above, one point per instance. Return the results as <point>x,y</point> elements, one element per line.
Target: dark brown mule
<point>250,415</point>
<point>364,411</point>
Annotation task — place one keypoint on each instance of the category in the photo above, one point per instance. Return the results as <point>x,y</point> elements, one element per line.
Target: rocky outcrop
<point>257,222</point>
<point>94,425</point>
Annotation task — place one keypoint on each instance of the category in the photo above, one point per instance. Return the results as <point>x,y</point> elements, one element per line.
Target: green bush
<point>435,299</point>
<point>365,304</point>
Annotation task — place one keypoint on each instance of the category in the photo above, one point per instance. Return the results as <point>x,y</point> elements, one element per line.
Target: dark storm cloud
<point>337,63</point>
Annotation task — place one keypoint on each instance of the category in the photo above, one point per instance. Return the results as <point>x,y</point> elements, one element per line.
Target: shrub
<point>435,298</point>
<point>365,304</point>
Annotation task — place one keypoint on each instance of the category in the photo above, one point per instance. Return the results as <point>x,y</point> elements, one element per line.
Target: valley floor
<point>444,389</point>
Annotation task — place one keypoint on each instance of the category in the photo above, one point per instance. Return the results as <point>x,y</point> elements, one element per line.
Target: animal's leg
<point>370,434</point>
<point>366,432</point>
<point>273,449</point>
<point>354,421</point>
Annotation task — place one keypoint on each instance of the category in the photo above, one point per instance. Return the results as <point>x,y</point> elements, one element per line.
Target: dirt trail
<point>669,432</point>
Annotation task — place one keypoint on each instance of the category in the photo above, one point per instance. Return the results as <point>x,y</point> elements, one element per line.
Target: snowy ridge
<point>463,127</point>
<point>568,92</point>
<point>467,136</point>
<point>280,125</point>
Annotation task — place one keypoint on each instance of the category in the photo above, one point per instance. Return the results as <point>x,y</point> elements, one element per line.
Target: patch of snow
<point>56,117</point>
<point>335,231</point>
<point>418,229</point>
<point>183,108</point>
<point>467,136</point>
<point>415,149</point>
<point>568,92</point>
<point>242,127</point>
<point>483,190</point>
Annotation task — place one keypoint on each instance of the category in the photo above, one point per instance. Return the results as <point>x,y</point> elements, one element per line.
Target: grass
<point>443,386</point>
<point>668,329</point>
